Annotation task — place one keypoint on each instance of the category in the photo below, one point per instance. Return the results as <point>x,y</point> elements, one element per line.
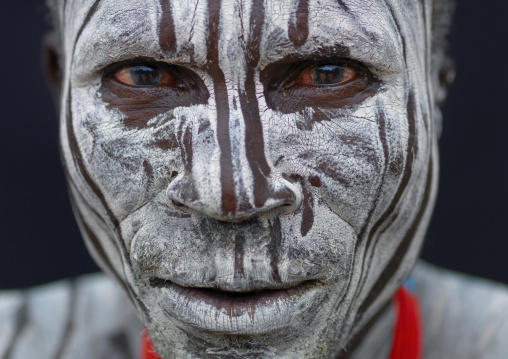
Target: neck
<point>375,339</point>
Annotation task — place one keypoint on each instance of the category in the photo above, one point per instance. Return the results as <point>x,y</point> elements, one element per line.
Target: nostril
<point>289,193</point>
<point>181,207</point>
<point>177,204</point>
<point>291,177</point>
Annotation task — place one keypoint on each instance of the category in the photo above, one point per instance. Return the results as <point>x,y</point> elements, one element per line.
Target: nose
<point>235,203</point>
<point>229,178</point>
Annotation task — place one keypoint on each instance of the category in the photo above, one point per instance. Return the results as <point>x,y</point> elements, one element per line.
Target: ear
<point>51,66</point>
<point>443,75</point>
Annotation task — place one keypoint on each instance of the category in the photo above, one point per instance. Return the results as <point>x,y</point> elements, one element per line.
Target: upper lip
<point>233,286</point>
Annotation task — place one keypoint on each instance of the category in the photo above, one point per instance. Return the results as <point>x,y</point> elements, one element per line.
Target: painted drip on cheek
<point>274,247</point>
<point>315,181</point>
<point>120,245</point>
<point>307,212</point>
<point>147,167</point>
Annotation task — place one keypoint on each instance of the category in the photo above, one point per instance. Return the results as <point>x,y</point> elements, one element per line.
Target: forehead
<point>371,31</point>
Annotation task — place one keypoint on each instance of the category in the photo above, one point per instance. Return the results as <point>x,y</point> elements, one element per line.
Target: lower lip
<point>251,313</point>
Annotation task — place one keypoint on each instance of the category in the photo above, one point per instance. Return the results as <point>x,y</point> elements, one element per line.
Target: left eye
<point>325,75</point>
<point>143,75</point>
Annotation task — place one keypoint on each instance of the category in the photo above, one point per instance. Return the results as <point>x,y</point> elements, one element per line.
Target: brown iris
<point>144,88</point>
<point>292,85</point>
<point>325,75</point>
<point>143,75</point>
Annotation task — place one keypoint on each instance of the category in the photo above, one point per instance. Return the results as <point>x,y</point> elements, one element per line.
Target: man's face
<point>258,174</point>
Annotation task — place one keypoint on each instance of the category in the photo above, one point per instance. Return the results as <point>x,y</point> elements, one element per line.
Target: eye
<point>142,88</point>
<point>325,75</point>
<point>327,83</point>
<point>143,76</point>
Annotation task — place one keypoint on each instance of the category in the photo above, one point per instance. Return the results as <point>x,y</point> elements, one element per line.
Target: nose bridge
<point>244,175</point>
<point>226,173</point>
<point>244,186</point>
<point>251,184</point>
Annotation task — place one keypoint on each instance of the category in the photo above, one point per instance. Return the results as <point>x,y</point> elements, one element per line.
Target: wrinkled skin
<point>304,206</point>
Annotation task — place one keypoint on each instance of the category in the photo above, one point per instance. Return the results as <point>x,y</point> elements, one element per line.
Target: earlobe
<point>51,66</point>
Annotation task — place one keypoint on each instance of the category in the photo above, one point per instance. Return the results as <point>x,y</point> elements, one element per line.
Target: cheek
<point>130,165</point>
<point>347,155</point>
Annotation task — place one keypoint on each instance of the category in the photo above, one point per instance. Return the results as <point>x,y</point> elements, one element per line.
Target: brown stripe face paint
<point>222,107</point>
<point>250,109</point>
<point>299,29</point>
<point>78,160</point>
<point>403,247</point>
<point>307,213</point>
<point>167,37</point>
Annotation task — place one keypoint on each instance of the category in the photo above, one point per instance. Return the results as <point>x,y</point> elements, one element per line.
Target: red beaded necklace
<point>407,335</point>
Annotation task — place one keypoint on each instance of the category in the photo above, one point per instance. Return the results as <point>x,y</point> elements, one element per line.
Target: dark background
<point>39,238</point>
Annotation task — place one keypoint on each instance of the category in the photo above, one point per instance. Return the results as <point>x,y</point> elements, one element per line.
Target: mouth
<point>258,311</point>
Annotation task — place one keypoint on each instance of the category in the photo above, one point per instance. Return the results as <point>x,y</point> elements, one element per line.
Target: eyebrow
<point>128,33</point>
<point>347,38</point>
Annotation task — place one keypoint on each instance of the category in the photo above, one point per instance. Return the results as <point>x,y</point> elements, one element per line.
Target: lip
<point>258,311</point>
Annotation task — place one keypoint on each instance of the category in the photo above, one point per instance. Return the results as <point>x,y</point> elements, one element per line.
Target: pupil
<point>145,75</point>
<point>328,74</point>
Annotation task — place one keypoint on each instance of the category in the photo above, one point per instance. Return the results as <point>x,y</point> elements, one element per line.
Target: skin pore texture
<point>258,175</point>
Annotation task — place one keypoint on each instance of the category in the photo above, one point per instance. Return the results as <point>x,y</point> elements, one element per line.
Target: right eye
<point>326,75</point>
<point>142,88</point>
<point>143,76</point>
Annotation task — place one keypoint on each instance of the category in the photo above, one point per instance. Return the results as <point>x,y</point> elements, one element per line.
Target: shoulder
<point>63,319</point>
<point>463,316</point>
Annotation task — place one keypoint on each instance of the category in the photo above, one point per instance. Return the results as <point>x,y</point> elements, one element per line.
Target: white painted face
<point>258,174</point>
